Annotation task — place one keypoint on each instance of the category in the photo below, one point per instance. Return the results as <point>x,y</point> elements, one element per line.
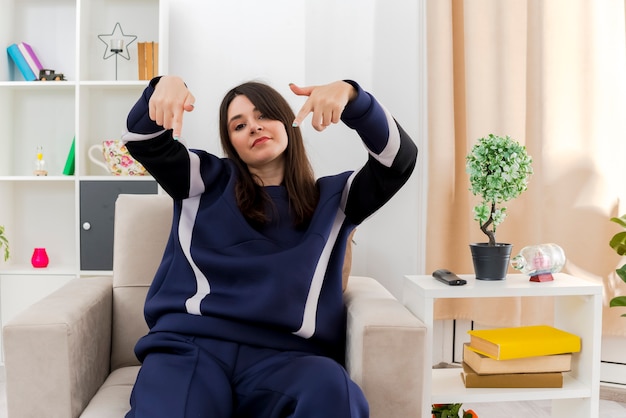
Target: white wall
<point>216,45</point>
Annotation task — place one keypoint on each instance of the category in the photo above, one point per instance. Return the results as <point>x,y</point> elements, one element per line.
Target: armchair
<point>71,354</point>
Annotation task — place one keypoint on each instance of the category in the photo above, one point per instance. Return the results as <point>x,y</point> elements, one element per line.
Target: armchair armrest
<point>384,349</point>
<point>57,352</point>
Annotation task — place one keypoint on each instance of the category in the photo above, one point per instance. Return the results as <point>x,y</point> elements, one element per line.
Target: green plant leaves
<point>446,410</point>
<point>618,301</point>
<point>621,220</point>
<point>618,243</point>
<point>621,272</point>
<point>498,168</point>
<point>481,213</point>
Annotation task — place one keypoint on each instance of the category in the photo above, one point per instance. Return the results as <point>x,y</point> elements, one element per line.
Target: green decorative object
<point>4,244</point>
<point>70,162</point>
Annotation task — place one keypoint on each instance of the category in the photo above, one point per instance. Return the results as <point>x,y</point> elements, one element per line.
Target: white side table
<point>578,309</point>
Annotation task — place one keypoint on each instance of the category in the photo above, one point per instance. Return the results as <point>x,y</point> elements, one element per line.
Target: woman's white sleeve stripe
<point>388,154</point>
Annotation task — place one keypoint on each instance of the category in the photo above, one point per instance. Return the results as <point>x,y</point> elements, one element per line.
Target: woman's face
<point>260,142</point>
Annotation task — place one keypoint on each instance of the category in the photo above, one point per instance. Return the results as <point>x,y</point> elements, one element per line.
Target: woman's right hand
<point>171,98</point>
<point>325,103</point>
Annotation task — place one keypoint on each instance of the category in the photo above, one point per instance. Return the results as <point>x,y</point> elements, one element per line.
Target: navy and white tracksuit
<point>245,321</point>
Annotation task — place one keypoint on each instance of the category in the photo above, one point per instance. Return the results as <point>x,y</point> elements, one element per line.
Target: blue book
<point>20,62</point>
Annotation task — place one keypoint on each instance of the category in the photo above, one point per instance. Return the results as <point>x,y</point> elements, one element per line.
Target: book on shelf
<point>30,57</point>
<point>155,59</point>
<point>525,341</point>
<point>482,364</point>
<point>22,65</point>
<point>141,60</point>
<point>148,59</point>
<point>471,379</point>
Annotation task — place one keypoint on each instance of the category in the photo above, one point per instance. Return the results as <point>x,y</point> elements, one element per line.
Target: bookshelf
<point>90,106</point>
<point>578,309</point>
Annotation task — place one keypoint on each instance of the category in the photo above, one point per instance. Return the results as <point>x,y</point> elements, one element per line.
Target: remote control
<point>449,278</point>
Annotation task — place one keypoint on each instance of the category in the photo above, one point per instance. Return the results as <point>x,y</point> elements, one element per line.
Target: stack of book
<point>148,59</point>
<point>25,60</point>
<point>519,357</point>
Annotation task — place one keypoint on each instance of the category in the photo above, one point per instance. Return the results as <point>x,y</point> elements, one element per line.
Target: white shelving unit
<point>578,309</point>
<point>91,106</point>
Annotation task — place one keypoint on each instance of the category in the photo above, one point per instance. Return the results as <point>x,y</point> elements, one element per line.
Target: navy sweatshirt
<point>277,286</point>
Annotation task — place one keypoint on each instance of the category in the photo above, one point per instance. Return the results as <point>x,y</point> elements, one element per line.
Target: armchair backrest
<point>142,226</point>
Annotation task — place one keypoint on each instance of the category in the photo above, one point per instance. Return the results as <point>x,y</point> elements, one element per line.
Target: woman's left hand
<point>325,102</point>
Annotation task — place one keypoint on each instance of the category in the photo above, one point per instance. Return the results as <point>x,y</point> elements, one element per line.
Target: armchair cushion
<point>113,398</point>
<point>384,344</point>
<point>142,226</point>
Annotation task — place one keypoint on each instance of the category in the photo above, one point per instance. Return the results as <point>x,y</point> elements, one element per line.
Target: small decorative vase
<point>39,258</point>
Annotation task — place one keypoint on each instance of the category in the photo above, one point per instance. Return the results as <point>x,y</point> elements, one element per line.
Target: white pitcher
<point>117,160</point>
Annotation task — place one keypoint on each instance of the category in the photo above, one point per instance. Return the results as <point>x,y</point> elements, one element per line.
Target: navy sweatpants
<point>184,377</point>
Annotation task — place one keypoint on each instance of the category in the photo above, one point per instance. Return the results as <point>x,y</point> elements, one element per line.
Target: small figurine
<point>47,74</point>
<point>40,163</point>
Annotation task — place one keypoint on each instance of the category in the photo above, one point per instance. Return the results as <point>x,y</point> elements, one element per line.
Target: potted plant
<point>451,410</point>
<point>4,243</point>
<point>498,168</point>
<point>618,243</point>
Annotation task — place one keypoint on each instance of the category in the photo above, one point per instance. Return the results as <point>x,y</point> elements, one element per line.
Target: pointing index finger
<point>306,108</point>
<point>177,119</point>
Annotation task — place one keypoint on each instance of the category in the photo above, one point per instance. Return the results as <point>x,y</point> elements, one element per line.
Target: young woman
<point>245,312</point>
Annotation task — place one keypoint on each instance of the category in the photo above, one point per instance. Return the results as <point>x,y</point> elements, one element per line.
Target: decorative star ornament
<point>117,34</point>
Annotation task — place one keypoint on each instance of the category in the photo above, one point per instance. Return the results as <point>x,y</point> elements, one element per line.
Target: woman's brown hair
<point>298,178</point>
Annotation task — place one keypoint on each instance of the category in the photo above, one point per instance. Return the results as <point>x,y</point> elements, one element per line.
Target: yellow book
<point>520,342</point>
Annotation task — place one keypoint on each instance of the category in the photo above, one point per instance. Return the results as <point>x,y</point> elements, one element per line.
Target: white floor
<point>538,409</point>
<point>3,399</point>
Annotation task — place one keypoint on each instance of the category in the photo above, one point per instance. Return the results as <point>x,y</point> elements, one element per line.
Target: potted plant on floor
<point>4,243</point>
<point>451,410</point>
<point>618,243</point>
<point>498,168</point>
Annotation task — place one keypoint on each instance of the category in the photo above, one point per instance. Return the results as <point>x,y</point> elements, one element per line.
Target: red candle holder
<point>39,258</point>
